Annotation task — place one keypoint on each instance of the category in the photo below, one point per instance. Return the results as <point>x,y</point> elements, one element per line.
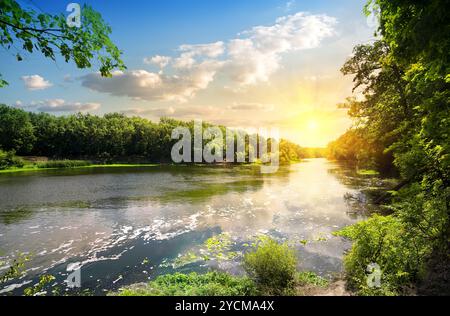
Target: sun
<point>313,125</point>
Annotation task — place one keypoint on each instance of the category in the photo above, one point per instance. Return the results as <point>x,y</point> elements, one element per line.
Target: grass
<point>69,164</point>
<point>310,278</point>
<point>214,284</point>
<point>62,164</point>
<point>209,284</point>
<point>368,172</point>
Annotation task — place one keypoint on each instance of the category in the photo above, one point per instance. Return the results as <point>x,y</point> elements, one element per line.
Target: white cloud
<point>59,105</point>
<point>158,60</point>
<point>251,106</point>
<point>36,82</point>
<point>248,59</point>
<point>152,86</point>
<point>211,50</point>
<point>190,112</point>
<point>289,5</point>
<point>256,57</point>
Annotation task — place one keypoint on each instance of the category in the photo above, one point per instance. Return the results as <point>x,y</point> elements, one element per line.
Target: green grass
<point>62,164</point>
<point>310,278</point>
<point>70,164</point>
<point>213,284</point>
<point>209,284</point>
<point>368,172</point>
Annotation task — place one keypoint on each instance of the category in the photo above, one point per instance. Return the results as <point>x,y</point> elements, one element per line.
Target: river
<point>125,225</point>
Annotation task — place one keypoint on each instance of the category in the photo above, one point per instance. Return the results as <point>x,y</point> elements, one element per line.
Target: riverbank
<point>28,165</point>
<point>224,284</point>
<point>29,168</point>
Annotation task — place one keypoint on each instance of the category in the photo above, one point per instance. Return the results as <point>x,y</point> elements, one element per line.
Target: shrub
<point>209,284</point>
<point>272,266</point>
<point>8,159</point>
<point>385,241</point>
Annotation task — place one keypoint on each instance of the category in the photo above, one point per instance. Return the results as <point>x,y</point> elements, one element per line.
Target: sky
<point>246,64</point>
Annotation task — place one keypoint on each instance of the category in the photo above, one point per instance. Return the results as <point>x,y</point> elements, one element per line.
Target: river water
<point>126,225</point>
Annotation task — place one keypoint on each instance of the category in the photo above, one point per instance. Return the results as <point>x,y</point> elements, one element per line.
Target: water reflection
<point>108,222</point>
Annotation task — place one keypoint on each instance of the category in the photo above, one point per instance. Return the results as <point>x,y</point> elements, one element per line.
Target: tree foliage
<point>111,137</point>
<point>29,31</point>
<point>403,78</point>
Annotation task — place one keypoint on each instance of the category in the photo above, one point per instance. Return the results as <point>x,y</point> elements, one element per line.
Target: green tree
<point>404,82</point>
<point>50,34</point>
<point>16,130</point>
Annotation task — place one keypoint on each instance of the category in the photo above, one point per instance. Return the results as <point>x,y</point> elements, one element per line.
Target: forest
<point>402,123</point>
<point>111,138</point>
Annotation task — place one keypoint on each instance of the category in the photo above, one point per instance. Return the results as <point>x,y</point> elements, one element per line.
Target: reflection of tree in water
<point>369,189</point>
<point>12,216</point>
<point>204,182</point>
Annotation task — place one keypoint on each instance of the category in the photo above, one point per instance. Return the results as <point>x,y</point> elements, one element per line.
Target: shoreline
<point>93,166</point>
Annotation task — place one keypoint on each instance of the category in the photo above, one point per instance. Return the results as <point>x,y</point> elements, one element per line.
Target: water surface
<point>127,225</point>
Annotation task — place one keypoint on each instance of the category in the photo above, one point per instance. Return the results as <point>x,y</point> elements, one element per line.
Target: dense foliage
<point>110,137</point>
<point>272,266</point>
<point>404,113</point>
<point>31,31</point>
<point>8,159</point>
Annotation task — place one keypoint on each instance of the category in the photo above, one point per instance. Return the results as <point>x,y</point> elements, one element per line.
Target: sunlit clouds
<point>249,59</point>
<point>36,82</point>
<point>58,105</point>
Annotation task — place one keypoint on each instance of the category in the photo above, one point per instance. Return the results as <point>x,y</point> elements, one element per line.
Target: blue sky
<point>217,60</point>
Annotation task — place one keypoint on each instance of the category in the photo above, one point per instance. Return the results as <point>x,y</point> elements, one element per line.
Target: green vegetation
<point>402,123</point>
<point>15,269</point>
<point>38,288</point>
<point>63,164</point>
<point>32,31</point>
<point>310,278</point>
<point>271,269</point>
<point>8,159</point>
<point>272,266</point>
<point>210,284</point>
<point>108,139</point>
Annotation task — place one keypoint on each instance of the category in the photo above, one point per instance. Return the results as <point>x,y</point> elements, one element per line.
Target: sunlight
<point>313,125</point>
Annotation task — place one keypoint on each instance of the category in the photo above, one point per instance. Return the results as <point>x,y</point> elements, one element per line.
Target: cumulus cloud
<point>59,105</point>
<point>254,58</point>
<point>158,60</point>
<point>248,59</point>
<point>152,86</point>
<point>36,82</point>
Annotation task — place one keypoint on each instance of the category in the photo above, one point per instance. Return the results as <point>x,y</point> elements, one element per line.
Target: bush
<point>8,159</point>
<point>210,284</point>
<point>385,241</point>
<point>63,164</point>
<point>272,266</point>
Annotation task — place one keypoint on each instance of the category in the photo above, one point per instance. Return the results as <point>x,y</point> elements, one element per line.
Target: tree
<point>16,130</point>
<point>51,35</point>
<point>404,109</point>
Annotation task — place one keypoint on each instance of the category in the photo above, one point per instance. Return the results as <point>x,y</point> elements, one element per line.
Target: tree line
<point>109,137</point>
